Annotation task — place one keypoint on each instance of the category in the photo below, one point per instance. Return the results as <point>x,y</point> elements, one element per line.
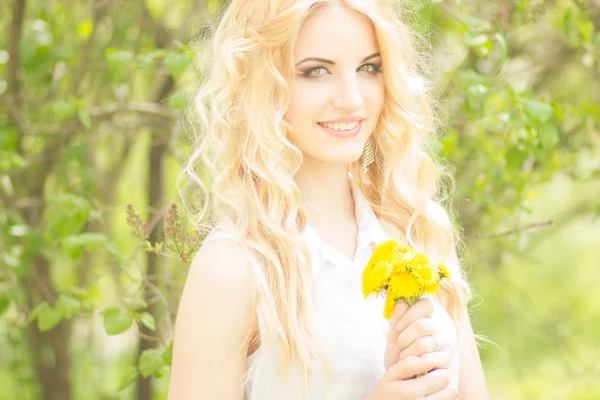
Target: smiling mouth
<point>340,126</point>
<point>342,130</point>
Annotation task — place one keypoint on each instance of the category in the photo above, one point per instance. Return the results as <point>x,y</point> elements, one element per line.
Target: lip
<point>343,134</point>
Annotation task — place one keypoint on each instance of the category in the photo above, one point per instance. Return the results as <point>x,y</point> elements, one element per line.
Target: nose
<point>348,96</point>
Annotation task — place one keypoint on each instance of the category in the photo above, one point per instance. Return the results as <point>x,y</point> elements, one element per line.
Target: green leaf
<point>150,362</point>
<point>537,110</point>
<point>8,138</point>
<point>128,379</point>
<point>476,40</point>
<point>73,245</point>
<point>515,157</point>
<point>501,40</point>
<point>134,304</point>
<point>147,320</point>
<point>80,292</point>
<point>69,213</point>
<point>118,59</point>
<point>548,135</point>
<point>115,322</point>
<point>176,63</point>
<point>67,305</point>
<point>63,109</point>
<point>180,99</point>
<point>4,303</point>
<point>10,160</point>
<point>48,319</point>
<point>36,310</point>
<point>7,186</point>
<point>167,355</point>
<point>87,306</point>
<point>477,25</point>
<point>84,118</point>
<point>114,250</point>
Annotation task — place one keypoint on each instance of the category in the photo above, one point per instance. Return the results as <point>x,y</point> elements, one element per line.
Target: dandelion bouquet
<point>402,273</point>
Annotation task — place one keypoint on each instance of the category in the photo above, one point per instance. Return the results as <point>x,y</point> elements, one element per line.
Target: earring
<point>367,155</point>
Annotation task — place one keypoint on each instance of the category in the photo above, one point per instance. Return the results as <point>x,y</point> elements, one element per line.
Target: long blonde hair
<point>243,162</point>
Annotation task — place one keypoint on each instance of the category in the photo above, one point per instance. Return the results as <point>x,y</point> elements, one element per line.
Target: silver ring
<point>437,345</point>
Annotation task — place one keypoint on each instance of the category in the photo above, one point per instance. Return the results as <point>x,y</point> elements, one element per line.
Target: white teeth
<point>342,127</point>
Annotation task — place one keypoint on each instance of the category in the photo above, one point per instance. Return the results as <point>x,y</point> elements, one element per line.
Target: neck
<point>325,190</point>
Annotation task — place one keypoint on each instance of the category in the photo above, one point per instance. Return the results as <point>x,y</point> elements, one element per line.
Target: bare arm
<point>213,326</point>
<point>471,378</point>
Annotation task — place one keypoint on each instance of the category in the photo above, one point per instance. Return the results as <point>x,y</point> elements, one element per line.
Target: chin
<point>345,158</point>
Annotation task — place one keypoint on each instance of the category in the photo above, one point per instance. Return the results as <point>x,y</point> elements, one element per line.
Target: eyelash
<point>376,70</point>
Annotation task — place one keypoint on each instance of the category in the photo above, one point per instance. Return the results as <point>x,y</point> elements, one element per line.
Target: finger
<point>392,349</point>
<point>439,359</point>
<point>448,393</point>
<point>424,345</point>
<point>421,309</point>
<point>399,311</point>
<point>430,383</point>
<point>420,328</point>
<point>410,367</point>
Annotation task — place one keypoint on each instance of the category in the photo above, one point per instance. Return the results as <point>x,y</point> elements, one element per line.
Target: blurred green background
<point>92,94</point>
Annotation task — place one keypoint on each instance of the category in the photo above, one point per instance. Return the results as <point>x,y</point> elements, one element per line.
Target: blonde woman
<point>313,128</point>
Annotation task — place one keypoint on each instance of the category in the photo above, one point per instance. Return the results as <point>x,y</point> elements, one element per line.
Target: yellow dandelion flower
<point>387,250</point>
<point>402,262</point>
<point>432,289</point>
<point>375,277</point>
<point>399,267</point>
<point>444,271</point>
<point>403,285</point>
<point>418,260</point>
<point>425,275</point>
<point>390,306</point>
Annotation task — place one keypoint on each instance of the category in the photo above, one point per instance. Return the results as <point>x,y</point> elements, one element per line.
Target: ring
<point>437,345</point>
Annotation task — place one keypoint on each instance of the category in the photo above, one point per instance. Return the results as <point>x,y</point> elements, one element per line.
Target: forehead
<point>335,32</point>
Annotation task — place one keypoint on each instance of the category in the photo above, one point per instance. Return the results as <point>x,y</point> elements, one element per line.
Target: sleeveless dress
<point>351,328</point>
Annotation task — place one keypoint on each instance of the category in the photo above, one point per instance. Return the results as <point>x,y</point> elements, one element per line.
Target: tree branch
<point>99,7</point>
<point>12,68</point>
<point>512,231</point>
<point>148,109</point>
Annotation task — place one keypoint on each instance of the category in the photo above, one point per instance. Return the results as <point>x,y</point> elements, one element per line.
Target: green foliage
<point>115,321</point>
<point>150,362</point>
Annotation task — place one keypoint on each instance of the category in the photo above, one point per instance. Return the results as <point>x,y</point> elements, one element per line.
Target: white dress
<point>352,328</point>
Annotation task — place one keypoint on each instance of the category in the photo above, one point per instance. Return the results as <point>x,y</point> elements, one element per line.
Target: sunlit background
<point>92,94</point>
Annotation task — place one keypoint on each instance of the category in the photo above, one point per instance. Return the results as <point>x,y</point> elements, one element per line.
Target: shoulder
<point>222,262</point>
<point>215,323</point>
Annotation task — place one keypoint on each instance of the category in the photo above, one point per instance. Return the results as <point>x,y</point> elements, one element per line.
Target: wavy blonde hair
<point>243,161</point>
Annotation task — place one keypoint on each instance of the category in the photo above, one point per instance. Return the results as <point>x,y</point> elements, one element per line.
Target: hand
<point>398,384</point>
<point>413,332</point>
<point>411,352</point>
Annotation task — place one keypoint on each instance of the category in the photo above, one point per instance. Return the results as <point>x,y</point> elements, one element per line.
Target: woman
<point>312,134</point>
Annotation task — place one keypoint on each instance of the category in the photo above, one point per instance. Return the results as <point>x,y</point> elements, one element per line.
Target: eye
<point>371,68</point>
<point>313,72</point>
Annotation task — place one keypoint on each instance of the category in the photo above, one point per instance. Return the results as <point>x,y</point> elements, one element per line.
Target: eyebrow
<point>326,61</point>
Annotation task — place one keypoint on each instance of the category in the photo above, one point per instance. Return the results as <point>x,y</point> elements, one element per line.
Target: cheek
<point>306,103</point>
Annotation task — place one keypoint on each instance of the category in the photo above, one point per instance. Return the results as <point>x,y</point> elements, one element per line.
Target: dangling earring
<point>367,155</point>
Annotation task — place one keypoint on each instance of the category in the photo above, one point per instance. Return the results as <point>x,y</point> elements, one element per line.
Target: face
<point>337,91</point>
